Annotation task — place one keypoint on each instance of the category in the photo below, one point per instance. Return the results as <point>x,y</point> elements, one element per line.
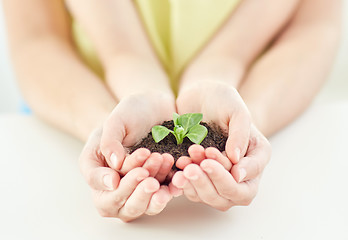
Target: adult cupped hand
<point>127,197</point>
<point>209,181</point>
<point>127,186</point>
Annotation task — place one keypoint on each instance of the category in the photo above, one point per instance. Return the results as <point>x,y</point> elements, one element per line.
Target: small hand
<point>212,184</point>
<point>129,122</point>
<point>126,198</point>
<point>222,105</point>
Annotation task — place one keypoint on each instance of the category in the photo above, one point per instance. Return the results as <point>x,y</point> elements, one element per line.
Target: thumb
<point>238,136</point>
<point>111,141</point>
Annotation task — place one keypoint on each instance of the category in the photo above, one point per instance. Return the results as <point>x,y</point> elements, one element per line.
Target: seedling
<point>186,125</point>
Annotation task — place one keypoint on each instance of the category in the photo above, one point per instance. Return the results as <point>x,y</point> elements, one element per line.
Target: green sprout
<point>186,125</point>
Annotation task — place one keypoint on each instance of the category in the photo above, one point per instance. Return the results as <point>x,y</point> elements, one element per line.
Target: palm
<point>222,105</point>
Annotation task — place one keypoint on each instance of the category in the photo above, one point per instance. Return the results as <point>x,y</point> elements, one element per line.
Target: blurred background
<point>335,89</point>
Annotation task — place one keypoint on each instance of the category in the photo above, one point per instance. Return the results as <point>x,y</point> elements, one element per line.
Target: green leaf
<point>197,134</point>
<point>179,133</point>
<point>175,118</point>
<point>188,120</point>
<point>159,132</point>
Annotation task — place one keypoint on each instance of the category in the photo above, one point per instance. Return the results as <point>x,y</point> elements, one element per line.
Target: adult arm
<point>54,81</point>
<point>280,84</point>
<point>283,82</point>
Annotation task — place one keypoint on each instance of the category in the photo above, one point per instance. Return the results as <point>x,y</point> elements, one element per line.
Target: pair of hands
<point>128,186</point>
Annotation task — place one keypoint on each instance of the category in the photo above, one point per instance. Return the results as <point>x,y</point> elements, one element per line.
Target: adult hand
<point>127,198</point>
<point>210,183</point>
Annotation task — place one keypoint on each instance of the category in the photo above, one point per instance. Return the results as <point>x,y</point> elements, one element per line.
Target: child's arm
<point>127,56</point>
<point>132,69</point>
<point>53,80</point>
<point>283,81</point>
<point>241,39</point>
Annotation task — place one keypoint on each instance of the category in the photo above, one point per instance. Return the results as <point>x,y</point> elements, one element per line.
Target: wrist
<point>130,75</point>
<point>213,68</point>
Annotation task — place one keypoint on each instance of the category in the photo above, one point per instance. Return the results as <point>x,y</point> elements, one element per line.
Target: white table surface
<point>303,194</point>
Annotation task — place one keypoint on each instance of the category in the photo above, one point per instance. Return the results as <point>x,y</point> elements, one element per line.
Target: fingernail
<point>107,179</point>
<point>178,193</point>
<point>141,178</point>
<point>149,190</point>
<point>237,152</point>
<point>208,170</point>
<point>114,160</point>
<point>193,177</point>
<point>242,174</point>
<point>182,185</point>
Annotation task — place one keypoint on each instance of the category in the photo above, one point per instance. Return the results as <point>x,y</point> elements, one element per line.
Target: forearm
<point>59,88</point>
<point>53,80</point>
<point>283,82</point>
<point>240,40</point>
<point>131,74</point>
<point>128,58</point>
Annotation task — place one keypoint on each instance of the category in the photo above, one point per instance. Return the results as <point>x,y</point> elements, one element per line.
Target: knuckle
<point>154,210</point>
<point>133,211</point>
<point>211,198</point>
<point>224,208</point>
<point>228,193</point>
<point>105,213</point>
<point>193,198</point>
<point>151,213</point>
<point>246,202</point>
<point>90,179</point>
<point>258,167</point>
<point>119,201</point>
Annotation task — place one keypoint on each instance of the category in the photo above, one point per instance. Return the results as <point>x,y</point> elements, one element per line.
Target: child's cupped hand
<point>222,180</point>
<point>129,122</point>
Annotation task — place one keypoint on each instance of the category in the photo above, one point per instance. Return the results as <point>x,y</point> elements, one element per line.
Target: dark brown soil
<point>215,138</point>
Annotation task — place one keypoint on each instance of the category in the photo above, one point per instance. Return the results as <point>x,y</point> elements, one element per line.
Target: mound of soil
<point>215,138</point>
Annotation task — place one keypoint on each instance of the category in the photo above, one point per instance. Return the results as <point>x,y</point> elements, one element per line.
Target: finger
<point>103,179</point>
<point>109,203</point>
<point>159,201</point>
<point>153,163</point>
<point>214,153</point>
<point>227,187</point>
<point>238,136</point>
<point>196,153</point>
<point>139,200</point>
<point>182,162</point>
<point>204,187</point>
<point>111,140</point>
<point>180,181</point>
<point>135,159</point>
<point>190,193</point>
<point>256,159</point>
<point>165,168</point>
<point>92,166</point>
<point>174,191</point>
